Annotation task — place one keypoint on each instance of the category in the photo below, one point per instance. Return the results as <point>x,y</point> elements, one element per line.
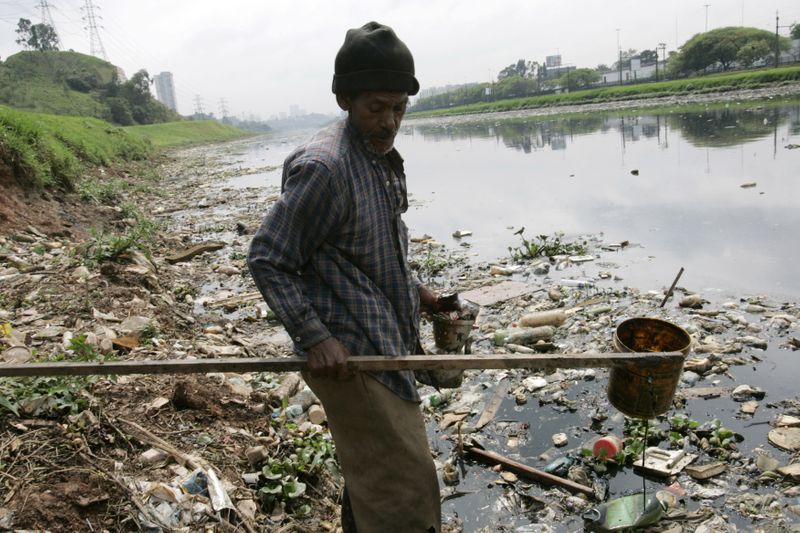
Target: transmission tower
<point>223,107</point>
<point>198,105</point>
<point>47,18</point>
<point>95,44</point>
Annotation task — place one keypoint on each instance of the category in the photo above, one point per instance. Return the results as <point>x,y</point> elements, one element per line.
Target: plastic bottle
<point>556,317</point>
<point>580,283</point>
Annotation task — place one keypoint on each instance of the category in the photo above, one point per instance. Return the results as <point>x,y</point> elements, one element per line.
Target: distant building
<point>793,54</point>
<point>629,74</point>
<point>165,90</point>
<point>553,61</point>
<point>553,73</point>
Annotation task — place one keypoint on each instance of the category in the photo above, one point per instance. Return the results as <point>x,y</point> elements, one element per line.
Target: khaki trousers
<point>383,450</point>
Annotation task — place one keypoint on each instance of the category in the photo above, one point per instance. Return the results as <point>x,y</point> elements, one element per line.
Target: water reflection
<point>671,182</point>
<point>727,126</point>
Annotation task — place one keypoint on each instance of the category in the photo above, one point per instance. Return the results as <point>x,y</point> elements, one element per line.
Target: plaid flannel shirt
<point>330,257</point>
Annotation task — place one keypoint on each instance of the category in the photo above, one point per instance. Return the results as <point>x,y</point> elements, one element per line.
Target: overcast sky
<point>262,56</point>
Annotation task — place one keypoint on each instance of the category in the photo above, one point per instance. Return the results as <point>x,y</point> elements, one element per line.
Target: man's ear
<point>344,102</point>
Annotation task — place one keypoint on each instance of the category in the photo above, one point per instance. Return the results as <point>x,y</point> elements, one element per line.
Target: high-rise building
<point>553,61</point>
<point>165,90</point>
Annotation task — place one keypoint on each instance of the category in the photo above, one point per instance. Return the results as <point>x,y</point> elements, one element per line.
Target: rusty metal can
<point>646,390</point>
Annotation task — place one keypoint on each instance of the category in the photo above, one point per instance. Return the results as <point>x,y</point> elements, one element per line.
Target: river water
<point>670,184</point>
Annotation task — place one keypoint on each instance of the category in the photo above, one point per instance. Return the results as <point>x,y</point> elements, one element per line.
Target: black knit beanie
<point>372,58</point>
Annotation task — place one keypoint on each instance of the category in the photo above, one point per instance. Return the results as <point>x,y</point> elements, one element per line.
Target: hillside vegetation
<point>70,83</point>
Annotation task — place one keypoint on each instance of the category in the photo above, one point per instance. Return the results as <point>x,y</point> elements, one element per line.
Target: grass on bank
<point>185,133</point>
<point>43,150</point>
<point>712,83</point>
<point>52,150</point>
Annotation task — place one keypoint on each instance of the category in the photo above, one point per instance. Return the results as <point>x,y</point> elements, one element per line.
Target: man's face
<point>376,116</point>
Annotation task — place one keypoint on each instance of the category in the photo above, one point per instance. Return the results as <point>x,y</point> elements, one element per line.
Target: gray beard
<point>371,149</point>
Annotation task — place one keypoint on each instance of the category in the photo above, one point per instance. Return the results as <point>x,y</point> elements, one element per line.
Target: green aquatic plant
<point>284,479</point>
<point>544,246</point>
<point>51,396</point>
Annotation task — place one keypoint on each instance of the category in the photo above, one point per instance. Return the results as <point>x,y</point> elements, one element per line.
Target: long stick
<point>356,363</point>
<point>672,288</point>
<point>528,471</point>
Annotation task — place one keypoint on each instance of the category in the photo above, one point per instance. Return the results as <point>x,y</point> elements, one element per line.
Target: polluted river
<point>586,218</point>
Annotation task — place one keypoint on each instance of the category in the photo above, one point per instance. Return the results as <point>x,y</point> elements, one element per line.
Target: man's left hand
<point>428,300</point>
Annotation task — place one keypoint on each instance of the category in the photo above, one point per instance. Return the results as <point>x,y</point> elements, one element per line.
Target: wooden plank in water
<point>499,292</point>
<point>189,253</point>
<point>528,471</point>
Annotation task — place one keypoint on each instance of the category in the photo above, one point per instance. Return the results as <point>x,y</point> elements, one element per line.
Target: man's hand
<point>328,359</point>
<point>432,303</point>
<point>428,300</point>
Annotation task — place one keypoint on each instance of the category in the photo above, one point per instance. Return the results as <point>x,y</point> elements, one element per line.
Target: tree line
<point>719,48</point>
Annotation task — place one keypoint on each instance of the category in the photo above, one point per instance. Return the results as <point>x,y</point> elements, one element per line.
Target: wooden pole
<point>355,363</point>
<point>672,287</point>
<point>528,471</point>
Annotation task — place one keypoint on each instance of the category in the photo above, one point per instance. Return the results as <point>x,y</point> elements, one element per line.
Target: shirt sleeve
<point>309,209</point>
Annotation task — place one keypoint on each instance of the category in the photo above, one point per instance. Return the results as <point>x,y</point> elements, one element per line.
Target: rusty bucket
<point>450,336</point>
<point>647,390</point>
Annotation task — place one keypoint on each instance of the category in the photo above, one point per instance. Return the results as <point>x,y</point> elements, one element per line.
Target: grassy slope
<point>717,82</point>
<point>48,150</point>
<point>186,133</point>
<point>37,81</point>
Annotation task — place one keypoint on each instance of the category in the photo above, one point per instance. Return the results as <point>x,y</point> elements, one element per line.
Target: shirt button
<point>297,339</point>
<point>387,183</point>
<point>374,162</point>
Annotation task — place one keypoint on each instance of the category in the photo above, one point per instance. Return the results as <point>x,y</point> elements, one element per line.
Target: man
<point>330,259</point>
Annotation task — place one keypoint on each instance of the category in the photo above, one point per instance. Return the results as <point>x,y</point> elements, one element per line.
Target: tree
<point>137,89</point>
<point>40,37</point>
<point>515,87</point>
<point>648,56</point>
<point>625,57</point>
<point>795,31</point>
<point>719,46</point>
<point>752,52</point>
<point>518,69</point>
<point>581,77</point>
<point>120,111</point>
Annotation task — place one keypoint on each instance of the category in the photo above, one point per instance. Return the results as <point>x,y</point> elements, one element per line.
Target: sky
<point>263,56</point>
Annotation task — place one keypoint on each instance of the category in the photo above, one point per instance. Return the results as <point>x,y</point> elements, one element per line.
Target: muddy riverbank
<point>250,451</point>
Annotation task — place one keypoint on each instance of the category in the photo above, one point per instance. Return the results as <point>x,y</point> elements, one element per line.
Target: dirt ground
<point>55,213</point>
<point>68,472</point>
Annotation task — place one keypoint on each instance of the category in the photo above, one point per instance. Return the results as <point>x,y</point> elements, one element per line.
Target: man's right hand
<point>328,359</point>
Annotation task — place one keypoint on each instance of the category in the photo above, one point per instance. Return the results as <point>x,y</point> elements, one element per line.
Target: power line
<point>223,107</point>
<point>95,43</point>
<point>198,105</point>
